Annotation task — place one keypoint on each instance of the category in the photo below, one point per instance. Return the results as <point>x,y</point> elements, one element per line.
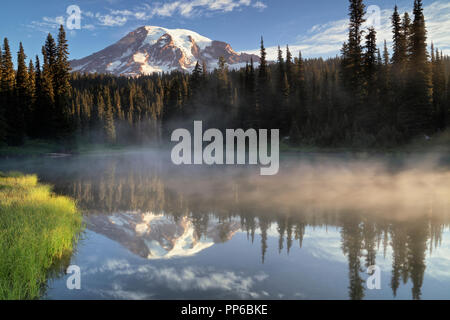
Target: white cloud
<point>438,23</point>
<point>110,20</point>
<point>57,20</point>
<point>184,278</point>
<point>259,5</point>
<point>117,292</point>
<point>88,14</point>
<point>187,8</point>
<point>88,26</point>
<point>48,24</point>
<point>196,7</point>
<point>118,18</point>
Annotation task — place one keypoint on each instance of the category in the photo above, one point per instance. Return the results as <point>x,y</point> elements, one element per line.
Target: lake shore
<point>38,228</point>
<point>439,143</point>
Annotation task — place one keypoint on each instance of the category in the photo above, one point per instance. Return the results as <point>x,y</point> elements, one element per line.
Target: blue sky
<point>316,27</point>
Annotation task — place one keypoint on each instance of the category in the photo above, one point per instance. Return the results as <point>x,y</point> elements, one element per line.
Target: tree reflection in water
<point>375,207</point>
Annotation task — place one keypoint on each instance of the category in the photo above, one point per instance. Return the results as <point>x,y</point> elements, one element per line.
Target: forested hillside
<point>366,97</point>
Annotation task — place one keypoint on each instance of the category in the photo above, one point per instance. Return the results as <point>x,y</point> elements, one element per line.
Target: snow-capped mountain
<point>156,236</point>
<point>155,49</point>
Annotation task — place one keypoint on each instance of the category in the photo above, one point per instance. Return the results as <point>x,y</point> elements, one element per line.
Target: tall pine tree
<point>416,113</point>
<point>45,105</point>
<point>62,87</point>
<point>8,98</point>
<point>369,110</point>
<point>263,107</point>
<point>23,99</point>
<point>352,62</point>
<point>439,108</point>
<point>108,122</point>
<point>31,95</point>
<point>399,49</point>
<point>2,105</point>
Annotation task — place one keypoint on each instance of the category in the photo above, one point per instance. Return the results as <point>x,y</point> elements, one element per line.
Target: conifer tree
<point>262,89</point>
<point>38,75</point>
<point>100,110</point>
<point>2,105</point>
<point>195,85</point>
<point>406,34</point>
<point>50,52</point>
<point>399,42</point>
<point>62,86</point>
<point>370,59</point>
<point>251,116</point>
<point>22,73</point>
<point>35,129</point>
<point>196,78</point>
<point>45,105</point>
<point>385,54</point>
<point>280,99</point>
<point>357,12</point>
<point>289,64</point>
<point>416,113</point>
<point>285,114</point>
<point>439,108</point>
<point>352,62</point>
<point>371,65</point>
<point>31,82</point>
<point>19,111</point>
<point>447,113</point>
<point>280,63</point>
<point>379,58</point>
<point>108,123</point>
<point>31,94</point>
<point>262,75</point>
<point>433,57</point>
<point>401,46</point>
<point>223,81</point>
<point>7,69</point>
<point>130,113</point>
<point>387,114</point>
<point>300,111</point>
<point>281,70</point>
<point>118,106</point>
<point>8,98</point>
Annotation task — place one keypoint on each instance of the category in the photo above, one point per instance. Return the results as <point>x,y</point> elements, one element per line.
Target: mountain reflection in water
<point>156,236</point>
<point>158,211</point>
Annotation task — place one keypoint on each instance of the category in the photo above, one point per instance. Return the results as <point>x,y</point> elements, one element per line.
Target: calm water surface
<point>156,231</point>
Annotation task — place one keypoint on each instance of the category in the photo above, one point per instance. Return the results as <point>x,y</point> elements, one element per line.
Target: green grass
<point>37,228</point>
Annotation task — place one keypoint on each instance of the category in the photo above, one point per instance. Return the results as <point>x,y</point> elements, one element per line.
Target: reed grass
<point>37,228</point>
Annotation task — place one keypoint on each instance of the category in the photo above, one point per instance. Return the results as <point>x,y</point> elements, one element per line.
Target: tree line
<point>364,97</point>
<point>35,99</point>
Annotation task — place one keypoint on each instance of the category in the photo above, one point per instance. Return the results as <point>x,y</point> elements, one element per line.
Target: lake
<point>158,231</point>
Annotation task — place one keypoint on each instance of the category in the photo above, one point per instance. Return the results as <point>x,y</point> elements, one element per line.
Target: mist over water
<point>156,230</point>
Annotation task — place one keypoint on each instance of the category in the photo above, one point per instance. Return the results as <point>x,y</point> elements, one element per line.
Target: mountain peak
<point>151,49</point>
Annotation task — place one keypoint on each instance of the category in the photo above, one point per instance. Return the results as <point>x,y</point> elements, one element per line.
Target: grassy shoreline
<point>37,228</point>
